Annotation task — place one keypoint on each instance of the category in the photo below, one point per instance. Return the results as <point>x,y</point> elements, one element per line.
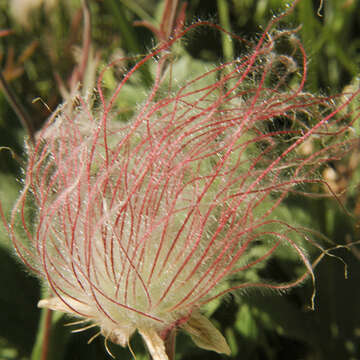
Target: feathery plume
<point>135,225</point>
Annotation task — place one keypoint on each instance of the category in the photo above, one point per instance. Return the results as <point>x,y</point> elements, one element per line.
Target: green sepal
<point>205,335</point>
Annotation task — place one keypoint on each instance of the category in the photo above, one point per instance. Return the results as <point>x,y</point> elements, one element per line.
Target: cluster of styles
<point>135,225</point>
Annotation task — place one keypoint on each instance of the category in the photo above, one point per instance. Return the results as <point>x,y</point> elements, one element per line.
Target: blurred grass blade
<point>224,17</point>
<point>128,35</point>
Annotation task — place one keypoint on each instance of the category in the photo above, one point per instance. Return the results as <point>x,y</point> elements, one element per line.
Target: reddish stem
<point>47,334</point>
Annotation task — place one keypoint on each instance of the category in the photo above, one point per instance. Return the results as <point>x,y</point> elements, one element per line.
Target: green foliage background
<point>257,326</point>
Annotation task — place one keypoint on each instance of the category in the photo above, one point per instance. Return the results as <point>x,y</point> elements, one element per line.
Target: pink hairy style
<point>135,225</point>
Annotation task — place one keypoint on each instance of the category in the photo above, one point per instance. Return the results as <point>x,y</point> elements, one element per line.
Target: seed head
<point>135,225</point>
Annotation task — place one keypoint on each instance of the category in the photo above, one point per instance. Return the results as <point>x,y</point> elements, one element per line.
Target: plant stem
<point>223,9</point>
<point>47,332</point>
<point>170,343</point>
<point>42,343</point>
<point>18,108</point>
